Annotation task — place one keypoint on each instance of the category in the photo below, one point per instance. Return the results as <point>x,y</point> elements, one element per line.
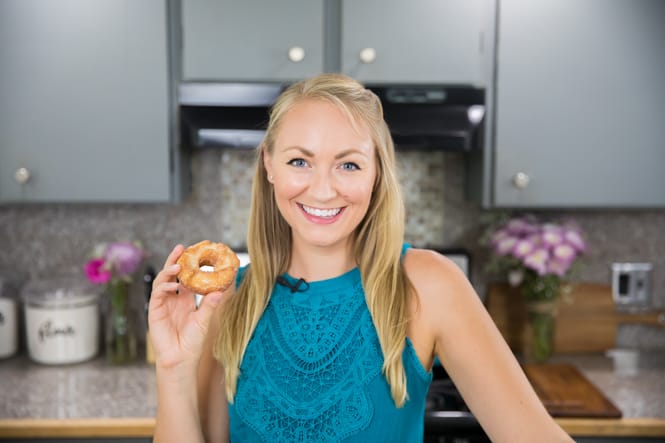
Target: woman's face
<point>323,171</point>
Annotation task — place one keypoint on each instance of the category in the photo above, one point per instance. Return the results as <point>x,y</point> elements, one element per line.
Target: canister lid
<point>59,293</point>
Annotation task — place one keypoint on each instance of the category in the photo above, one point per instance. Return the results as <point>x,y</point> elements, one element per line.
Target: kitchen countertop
<point>94,399</point>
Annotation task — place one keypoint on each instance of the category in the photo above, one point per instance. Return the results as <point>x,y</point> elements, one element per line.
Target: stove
<point>447,417</point>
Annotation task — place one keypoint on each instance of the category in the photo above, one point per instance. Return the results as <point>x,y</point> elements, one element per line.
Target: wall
<point>46,240</point>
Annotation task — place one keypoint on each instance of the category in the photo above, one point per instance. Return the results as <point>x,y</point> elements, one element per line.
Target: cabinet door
<point>580,103</point>
<point>426,41</point>
<point>84,101</point>
<point>251,39</point>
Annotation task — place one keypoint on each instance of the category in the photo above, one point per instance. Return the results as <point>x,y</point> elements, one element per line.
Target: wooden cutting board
<point>566,392</point>
<point>586,317</point>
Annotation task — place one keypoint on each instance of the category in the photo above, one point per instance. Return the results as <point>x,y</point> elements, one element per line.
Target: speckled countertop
<point>634,381</point>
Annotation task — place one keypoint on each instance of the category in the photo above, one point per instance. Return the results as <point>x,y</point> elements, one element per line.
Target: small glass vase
<point>540,294</point>
<point>121,337</point>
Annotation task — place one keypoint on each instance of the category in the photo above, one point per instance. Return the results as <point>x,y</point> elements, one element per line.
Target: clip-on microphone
<point>296,287</point>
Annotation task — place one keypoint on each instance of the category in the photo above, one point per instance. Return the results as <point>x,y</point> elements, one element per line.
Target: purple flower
<point>558,267</point>
<point>505,245</point>
<point>552,235</point>
<point>564,252</point>
<point>124,258</point>
<point>537,260</point>
<point>522,248</point>
<point>96,272</point>
<point>520,227</point>
<point>574,238</point>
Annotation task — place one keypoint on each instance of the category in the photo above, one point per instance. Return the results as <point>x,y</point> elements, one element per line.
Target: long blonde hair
<point>377,240</point>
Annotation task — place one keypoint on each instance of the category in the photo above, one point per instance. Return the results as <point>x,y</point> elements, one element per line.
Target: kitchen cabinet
<point>378,41</point>
<point>85,105</point>
<point>420,41</point>
<point>580,104</point>
<point>252,40</point>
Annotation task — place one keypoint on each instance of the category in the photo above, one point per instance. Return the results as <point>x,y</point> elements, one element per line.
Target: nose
<point>322,186</point>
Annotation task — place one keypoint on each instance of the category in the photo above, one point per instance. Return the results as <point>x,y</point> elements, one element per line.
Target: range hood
<point>426,117</point>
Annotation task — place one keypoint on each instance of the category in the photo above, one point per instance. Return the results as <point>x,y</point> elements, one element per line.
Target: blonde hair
<point>377,240</point>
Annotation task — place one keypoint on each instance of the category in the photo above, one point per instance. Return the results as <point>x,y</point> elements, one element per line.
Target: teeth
<point>321,212</point>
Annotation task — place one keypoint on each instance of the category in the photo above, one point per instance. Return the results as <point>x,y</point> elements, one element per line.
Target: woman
<point>331,333</point>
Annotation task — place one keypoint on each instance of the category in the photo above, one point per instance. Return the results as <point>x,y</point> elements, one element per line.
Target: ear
<point>267,163</point>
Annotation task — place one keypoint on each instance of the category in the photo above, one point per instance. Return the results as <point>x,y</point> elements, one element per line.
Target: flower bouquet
<point>115,265</point>
<point>537,257</point>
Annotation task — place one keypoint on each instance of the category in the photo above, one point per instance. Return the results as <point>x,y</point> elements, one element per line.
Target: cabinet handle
<point>22,176</point>
<point>368,55</point>
<point>296,54</point>
<point>521,180</point>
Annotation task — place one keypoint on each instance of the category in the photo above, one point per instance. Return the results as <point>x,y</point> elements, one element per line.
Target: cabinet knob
<point>22,176</point>
<point>296,54</point>
<point>368,55</point>
<point>521,180</point>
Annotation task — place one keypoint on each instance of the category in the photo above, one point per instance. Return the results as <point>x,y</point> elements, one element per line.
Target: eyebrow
<point>342,154</point>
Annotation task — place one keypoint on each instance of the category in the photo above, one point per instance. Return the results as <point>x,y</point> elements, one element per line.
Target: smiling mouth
<point>322,213</point>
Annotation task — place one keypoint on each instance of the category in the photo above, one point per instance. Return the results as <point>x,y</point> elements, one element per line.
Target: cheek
<point>358,191</point>
<point>290,187</point>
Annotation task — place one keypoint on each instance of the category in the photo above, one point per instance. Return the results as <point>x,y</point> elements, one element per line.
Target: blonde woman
<point>331,332</point>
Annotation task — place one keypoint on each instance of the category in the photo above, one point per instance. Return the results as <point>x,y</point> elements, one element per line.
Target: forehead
<point>318,123</point>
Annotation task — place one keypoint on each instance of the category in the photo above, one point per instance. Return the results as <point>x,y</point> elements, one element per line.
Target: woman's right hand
<point>177,328</point>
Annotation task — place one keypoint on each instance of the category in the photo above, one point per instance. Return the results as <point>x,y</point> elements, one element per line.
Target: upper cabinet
<point>84,102</point>
<point>419,41</point>
<point>379,41</point>
<point>580,104</point>
<point>252,40</point>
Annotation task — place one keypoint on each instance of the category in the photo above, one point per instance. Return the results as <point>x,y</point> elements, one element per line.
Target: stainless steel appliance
<point>424,117</point>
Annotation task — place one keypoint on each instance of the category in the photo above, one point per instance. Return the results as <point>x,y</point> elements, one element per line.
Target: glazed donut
<point>220,257</point>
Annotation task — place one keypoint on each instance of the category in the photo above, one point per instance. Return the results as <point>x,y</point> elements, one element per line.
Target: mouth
<point>321,213</point>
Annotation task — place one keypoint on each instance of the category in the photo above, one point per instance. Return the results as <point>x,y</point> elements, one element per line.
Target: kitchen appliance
<point>429,117</point>
<point>62,320</point>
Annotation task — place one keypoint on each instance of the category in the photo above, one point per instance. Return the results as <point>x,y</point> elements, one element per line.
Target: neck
<point>320,263</point>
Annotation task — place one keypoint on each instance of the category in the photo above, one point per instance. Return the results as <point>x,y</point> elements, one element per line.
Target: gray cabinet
<point>84,101</point>
<point>580,104</point>
<point>379,41</point>
<point>424,41</point>
<point>247,40</point>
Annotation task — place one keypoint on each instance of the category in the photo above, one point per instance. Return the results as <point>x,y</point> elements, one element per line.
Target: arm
<point>187,377</point>
<point>452,321</point>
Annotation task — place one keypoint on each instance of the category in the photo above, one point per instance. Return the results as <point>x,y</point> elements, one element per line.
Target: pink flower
<point>505,245</point>
<point>558,267</point>
<point>96,272</point>
<point>522,248</point>
<point>564,252</point>
<point>575,239</point>
<point>552,235</point>
<point>124,258</point>
<point>537,260</point>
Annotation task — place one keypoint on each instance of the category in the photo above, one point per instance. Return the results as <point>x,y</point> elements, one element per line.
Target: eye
<point>298,162</point>
<point>350,166</point>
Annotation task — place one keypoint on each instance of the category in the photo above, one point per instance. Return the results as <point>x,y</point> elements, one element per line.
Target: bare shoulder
<point>435,277</point>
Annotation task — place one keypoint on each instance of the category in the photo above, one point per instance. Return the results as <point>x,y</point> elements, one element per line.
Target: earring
<point>270,178</point>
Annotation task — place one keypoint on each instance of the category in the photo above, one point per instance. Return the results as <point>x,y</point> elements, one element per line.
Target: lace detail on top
<point>305,371</point>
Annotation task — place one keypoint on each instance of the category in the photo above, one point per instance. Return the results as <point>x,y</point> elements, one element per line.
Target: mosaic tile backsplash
<point>39,241</point>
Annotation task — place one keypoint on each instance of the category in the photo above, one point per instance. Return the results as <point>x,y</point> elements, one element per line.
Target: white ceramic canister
<point>61,321</point>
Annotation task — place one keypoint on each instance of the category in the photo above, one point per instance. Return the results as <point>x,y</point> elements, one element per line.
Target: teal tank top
<point>312,372</point>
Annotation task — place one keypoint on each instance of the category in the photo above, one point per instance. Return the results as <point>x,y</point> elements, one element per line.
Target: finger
<point>208,305</point>
<point>168,273</point>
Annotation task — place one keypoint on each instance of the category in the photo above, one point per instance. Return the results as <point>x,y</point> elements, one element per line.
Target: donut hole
<point>207,261</point>
<point>206,268</point>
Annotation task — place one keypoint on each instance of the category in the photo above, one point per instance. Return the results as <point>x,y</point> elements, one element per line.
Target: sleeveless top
<point>312,372</point>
